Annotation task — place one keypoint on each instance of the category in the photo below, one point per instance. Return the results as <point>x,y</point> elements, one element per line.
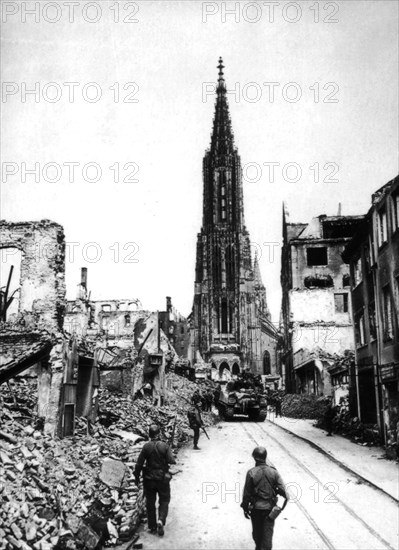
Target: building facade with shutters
<point>373,255</point>
<point>230,326</point>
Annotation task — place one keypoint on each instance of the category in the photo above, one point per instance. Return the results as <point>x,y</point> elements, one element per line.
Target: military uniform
<point>195,422</point>
<point>157,456</point>
<point>262,484</point>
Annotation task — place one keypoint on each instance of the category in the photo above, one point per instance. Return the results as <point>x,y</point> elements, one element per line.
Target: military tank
<point>240,398</point>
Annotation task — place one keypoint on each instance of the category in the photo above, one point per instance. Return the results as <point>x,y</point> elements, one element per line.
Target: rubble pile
<point>303,406</point>
<point>78,492</point>
<point>120,414</point>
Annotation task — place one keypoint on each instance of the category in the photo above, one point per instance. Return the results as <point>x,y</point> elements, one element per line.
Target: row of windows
<point>130,306</point>
<point>388,318</point>
<point>224,316</point>
<point>106,321</point>
<point>340,379</point>
<point>382,237</point>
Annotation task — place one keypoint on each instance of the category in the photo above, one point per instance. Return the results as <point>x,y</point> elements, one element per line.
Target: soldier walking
<point>157,455</point>
<point>329,417</point>
<point>209,400</point>
<point>216,395</point>
<point>196,398</point>
<point>262,485</point>
<point>278,405</point>
<point>195,422</point>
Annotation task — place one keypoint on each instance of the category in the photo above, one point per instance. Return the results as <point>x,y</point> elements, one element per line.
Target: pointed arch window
<point>231,318</point>
<point>217,317</point>
<point>230,266</point>
<point>225,316</point>
<point>217,266</point>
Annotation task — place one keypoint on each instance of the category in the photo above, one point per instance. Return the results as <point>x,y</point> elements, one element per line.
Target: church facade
<point>230,324</point>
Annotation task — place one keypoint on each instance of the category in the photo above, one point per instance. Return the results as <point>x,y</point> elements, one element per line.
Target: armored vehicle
<point>241,398</point>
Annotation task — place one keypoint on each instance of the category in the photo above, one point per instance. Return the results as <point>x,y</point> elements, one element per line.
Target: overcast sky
<point>334,109</point>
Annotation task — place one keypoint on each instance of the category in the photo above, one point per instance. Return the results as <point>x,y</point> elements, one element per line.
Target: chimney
<point>82,286</point>
<point>83,277</point>
<point>168,303</point>
<point>339,209</point>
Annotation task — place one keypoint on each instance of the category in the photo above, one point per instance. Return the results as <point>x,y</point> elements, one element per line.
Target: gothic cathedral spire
<point>229,311</point>
<point>223,195</point>
<point>222,141</point>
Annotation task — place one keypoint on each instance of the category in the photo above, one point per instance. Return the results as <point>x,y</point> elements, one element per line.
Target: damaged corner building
<point>32,317</point>
<point>318,332</point>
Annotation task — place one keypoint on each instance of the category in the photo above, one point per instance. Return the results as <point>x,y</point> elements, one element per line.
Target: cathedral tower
<point>230,299</point>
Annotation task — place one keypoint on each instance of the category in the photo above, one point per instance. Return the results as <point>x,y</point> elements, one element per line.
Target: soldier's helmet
<point>259,453</point>
<point>153,430</point>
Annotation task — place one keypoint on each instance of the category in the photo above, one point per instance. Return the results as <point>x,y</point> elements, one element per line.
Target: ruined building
<point>317,325</point>
<point>373,255</point>
<point>175,326</point>
<point>231,326</point>
<point>33,337</point>
<point>115,331</point>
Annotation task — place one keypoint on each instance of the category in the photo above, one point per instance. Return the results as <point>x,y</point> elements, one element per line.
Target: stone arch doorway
<point>235,369</point>
<point>266,363</point>
<point>224,371</point>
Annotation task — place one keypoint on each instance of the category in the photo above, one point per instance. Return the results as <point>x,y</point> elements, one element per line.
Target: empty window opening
<point>321,281</point>
<point>10,273</point>
<point>317,256</point>
<point>341,303</point>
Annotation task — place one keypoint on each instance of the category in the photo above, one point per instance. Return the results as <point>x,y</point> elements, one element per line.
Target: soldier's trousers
<point>152,488</point>
<point>262,529</point>
<point>196,431</point>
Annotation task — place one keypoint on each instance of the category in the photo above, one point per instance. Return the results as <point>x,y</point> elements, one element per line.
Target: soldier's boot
<point>160,528</point>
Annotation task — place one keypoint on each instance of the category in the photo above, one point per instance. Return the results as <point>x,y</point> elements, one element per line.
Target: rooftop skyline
<point>341,131</point>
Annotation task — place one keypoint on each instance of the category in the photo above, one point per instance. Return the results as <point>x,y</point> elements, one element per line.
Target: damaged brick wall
<point>42,284</point>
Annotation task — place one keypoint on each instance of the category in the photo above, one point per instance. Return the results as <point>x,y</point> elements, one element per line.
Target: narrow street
<point>329,507</point>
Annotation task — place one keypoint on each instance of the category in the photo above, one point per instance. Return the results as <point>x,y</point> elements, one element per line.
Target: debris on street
<point>79,492</point>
